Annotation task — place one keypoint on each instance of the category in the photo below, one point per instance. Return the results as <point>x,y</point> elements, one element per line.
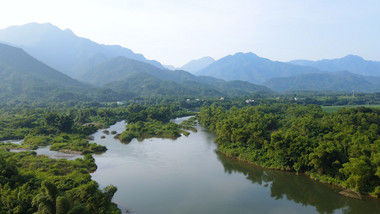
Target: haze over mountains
<point>335,75</point>
<point>122,73</point>
<point>194,65</point>
<point>62,49</point>
<point>197,64</point>
<point>252,68</point>
<point>22,75</point>
<point>121,70</point>
<point>340,81</point>
<point>112,78</point>
<point>351,63</point>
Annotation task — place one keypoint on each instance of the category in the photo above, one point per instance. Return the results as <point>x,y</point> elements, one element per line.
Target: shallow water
<point>44,150</point>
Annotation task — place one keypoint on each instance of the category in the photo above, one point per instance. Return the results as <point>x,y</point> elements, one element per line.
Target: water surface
<point>187,175</point>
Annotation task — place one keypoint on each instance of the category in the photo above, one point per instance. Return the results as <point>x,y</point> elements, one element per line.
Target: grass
<point>332,109</point>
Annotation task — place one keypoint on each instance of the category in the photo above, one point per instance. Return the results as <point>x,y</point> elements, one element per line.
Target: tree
<point>62,123</point>
<point>50,201</point>
<point>46,199</point>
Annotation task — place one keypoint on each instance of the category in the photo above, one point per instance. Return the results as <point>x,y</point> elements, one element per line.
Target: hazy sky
<point>176,31</point>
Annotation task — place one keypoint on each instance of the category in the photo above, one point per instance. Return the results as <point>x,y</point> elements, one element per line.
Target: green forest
<point>31,183</point>
<point>153,121</point>
<point>63,97</point>
<point>341,148</point>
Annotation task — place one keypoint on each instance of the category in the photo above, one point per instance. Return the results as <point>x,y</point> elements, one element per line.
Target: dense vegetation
<point>64,129</point>
<point>153,128</point>
<point>152,121</point>
<point>341,148</point>
<point>38,184</point>
<point>44,107</point>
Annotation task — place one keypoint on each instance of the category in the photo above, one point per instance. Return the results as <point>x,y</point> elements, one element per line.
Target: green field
<point>332,109</point>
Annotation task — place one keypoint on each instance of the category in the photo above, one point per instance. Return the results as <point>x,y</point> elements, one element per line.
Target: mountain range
<point>351,63</point>
<point>109,72</point>
<point>62,49</point>
<point>24,78</point>
<point>121,70</point>
<point>340,81</point>
<point>252,68</point>
<point>344,74</point>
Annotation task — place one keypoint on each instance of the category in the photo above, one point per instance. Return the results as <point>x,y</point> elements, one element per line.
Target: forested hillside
<point>341,81</point>
<point>126,75</point>
<point>24,78</point>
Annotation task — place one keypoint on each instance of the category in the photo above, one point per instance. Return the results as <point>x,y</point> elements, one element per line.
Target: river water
<point>187,175</point>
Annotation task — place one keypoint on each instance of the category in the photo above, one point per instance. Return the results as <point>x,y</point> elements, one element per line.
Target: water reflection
<point>300,189</point>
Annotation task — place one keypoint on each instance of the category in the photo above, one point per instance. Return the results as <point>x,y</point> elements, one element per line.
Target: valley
<point>93,128</point>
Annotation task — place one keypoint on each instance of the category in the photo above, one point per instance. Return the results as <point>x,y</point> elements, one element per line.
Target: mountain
<point>62,49</point>
<point>170,67</point>
<point>124,74</point>
<point>120,67</point>
<point>23,76</point>
<point>197,64</point>
<point>143,84</point>
<point>252,68</point>
<point>351,63</point>
<point>342,81</point>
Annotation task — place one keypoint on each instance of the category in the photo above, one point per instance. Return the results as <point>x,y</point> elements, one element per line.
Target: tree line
<point>341,148</point>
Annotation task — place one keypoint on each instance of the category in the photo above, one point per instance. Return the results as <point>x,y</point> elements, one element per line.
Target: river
<point>187,175</point>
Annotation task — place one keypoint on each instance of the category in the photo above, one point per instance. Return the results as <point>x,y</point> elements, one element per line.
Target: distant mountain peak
<point>252,68</point>
<point>198,64</point>
<point>37,27</point>
<point>62,49</point>
<point>69,31</point>
<point>206,57</point>
<point>352,63</point>
<point>353,57</point>
<point>245,54</point>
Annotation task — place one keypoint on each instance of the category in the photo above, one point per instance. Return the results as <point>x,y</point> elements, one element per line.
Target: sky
<point>177,31</point>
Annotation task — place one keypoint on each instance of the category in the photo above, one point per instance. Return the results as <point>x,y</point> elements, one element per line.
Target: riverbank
<point>337,148</point>
<point>186,175</point>
<point>344,191</point>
